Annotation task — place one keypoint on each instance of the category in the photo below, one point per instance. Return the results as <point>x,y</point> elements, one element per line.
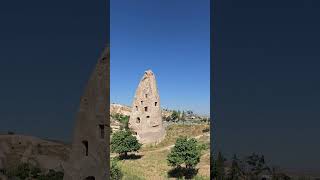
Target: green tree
<point>234,171</point>
<point>174,115</point>
<point>115,171</point>
<point>257,165</point>
<point>123,142</point>
<point>185,151</point>
<point>183,117</point>
<point>220,167</point>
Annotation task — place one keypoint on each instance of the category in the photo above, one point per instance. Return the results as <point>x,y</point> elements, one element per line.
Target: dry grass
<point>153,166</point>
<point>153,163</point>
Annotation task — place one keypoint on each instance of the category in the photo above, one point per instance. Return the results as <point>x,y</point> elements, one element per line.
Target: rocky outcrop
<point>15,149</point>
<point>120,109</point>
<point>89,155</point>
<point>146,118</point>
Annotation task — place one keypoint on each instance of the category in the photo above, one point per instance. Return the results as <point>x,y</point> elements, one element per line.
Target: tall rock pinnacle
<point>145,119</point>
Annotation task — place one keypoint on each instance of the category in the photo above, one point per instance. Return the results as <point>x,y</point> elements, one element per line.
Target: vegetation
<point>115,171</point>
<point>234,172</point>
<point>175,115</point>
<point>252,167</point>
<point>123,119</point>
<point>152,162</point>
<point>185,151</point>
<point>26,171</point>
<point>220,173</point>
<point>123,142</point>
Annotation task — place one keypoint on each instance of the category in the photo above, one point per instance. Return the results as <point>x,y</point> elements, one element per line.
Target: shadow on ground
<point>180,172</point>
<point>130,157</point>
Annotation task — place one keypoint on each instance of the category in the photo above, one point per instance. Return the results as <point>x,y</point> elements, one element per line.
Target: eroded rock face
<point>89,155</point>
<point>120,109</point>
<point>16,149</point>
<point>145,119</point>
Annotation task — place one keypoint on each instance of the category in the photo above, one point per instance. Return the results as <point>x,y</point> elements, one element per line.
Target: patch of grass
<point>152,163</point>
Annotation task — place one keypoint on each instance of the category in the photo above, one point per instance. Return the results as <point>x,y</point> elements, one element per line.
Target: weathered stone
<point>4,147</point>
<point>120,109</point>
<point>146,119</point>
<point>26,154</point>
<point>89,155</point>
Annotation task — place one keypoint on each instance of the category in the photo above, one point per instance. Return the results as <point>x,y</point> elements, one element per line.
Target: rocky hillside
<point>126,110</point>
<point>46,154</point>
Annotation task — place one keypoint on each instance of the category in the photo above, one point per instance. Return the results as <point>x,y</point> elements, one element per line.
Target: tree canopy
<point>123,142</point>
<point>186,151</point>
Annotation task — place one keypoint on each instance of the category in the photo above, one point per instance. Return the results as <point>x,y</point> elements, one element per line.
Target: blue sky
<point>170,37</point>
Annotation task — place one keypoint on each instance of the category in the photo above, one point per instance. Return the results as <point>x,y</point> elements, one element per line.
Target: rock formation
<point>145,119</point>
<point>89,157</point>
<point>15,149</point>
<point>120,109</point>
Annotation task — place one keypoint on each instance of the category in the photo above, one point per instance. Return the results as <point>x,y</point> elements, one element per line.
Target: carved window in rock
<point>146,109</point>
<point>138,120</point>
<point>148,117</point>
<point>85,144</point>
<point>89,178</point>
<point>141,102</point>
<point>102,132</point>
<point>155,103</point>
<point>135,133</point>
<point>84,103</point>
<point>137,108</point>
<point>146,95</point>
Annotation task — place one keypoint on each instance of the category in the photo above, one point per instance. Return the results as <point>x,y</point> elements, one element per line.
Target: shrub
<point>115,171</point>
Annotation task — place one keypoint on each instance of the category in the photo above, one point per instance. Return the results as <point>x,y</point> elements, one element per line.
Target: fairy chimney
<point>89,156</point>
<point>145,119</point>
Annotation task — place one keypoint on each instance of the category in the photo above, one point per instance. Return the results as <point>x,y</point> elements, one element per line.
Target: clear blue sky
<point>170,37</point>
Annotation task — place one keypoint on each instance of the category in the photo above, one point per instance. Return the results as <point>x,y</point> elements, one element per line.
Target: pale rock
<point>146,118</point>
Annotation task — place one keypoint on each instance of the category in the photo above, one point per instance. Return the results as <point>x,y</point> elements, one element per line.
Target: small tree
<point>185,151</point>
<point>257,165</point>
<point>234,172</point>
<point>123,142</point>
<point>183,117</point>
<point>174,115</point>
<point>220,167</point>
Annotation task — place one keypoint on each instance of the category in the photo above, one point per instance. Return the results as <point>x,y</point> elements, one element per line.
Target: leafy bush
<point>26,171</point>
<point>115,171</point>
